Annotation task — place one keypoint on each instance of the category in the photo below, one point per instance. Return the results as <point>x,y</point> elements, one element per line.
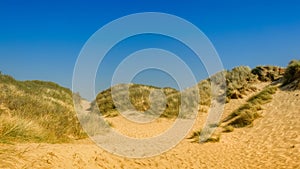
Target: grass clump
<point>214,139</point>
<point>18,129</point>
<point>292,74</point>
<point>228,129</point>
<point>263,97</point>
<point>196,137</point>
<point>199,135</point>
<point>195,134</point>
<point>268,73</point>
<point>239,81</point>
<point>204,87</point>
<point>248,112</point>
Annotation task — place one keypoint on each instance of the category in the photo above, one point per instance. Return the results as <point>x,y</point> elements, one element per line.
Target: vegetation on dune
<point>243,116</point>
<point>196,136</point>
<point>268,73</point>
<point>292,75</point>
<point>19,129</point>
<point>137,97</point>
<point>204,87</point>
<point>238,82</point>
<point>228,129</point>
<point>43,111</point>
<point>36,111</point>
<point>248,112</point>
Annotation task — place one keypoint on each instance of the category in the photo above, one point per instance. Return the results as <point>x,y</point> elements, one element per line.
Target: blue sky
<point>42,39</point>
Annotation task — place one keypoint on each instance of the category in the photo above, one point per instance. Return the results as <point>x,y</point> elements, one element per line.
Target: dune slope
<point>272,142</point>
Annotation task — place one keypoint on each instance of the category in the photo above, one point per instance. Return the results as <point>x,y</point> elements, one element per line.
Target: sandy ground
<point>272,142</point>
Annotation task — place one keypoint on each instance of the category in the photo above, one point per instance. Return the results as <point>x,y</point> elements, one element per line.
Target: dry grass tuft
<point>248,112</point>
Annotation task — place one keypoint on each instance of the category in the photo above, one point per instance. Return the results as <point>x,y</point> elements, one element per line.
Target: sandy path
<point>273,142</point>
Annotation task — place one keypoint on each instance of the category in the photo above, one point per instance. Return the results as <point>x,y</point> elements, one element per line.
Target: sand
<point>272,142</point>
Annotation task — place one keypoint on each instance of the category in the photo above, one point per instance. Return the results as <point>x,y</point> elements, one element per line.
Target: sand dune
<point>272,142</point>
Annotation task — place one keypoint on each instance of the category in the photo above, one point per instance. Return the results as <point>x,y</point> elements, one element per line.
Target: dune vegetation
<point>289,78</point>
<point>43,111</point>
<point>239,82</point>
<point>36,111</point>
<point>292,75</point>
<point>135,97</point>
<point>247,113</point>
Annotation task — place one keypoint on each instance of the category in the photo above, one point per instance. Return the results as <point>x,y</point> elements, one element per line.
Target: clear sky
<point>42,39</point>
